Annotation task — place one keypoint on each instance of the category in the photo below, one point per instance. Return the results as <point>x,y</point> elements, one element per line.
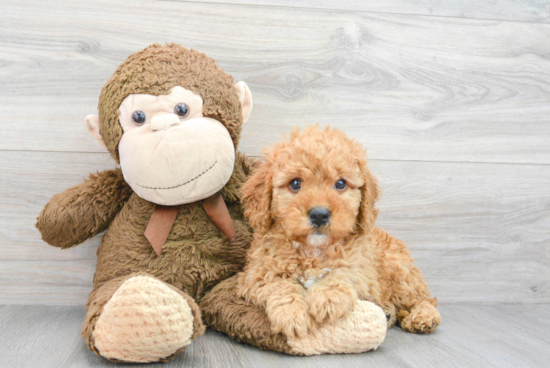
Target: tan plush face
<point>169,153</point>
<point>316,201</point>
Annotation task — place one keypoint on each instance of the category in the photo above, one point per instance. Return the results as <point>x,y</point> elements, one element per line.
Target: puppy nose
<point>319,216</point>
<point>165,121</point>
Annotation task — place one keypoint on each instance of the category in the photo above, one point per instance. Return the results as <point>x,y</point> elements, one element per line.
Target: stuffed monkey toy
<point>175,228</point>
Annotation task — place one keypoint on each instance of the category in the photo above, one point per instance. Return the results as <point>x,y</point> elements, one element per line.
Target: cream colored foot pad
<point>362,330</point>
<point>143,321</point>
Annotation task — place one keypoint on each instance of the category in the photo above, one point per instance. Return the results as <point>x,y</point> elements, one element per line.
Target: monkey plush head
<point>172,119</point>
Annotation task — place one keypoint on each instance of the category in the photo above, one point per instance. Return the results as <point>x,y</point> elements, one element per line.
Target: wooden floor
<point>470,336</point>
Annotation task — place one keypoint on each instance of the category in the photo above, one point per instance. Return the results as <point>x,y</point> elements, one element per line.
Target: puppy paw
<point>327,305</point>
<point>291,319</point>
<point>424,318</point>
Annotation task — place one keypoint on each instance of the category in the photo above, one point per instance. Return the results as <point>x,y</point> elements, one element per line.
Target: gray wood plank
<point>409,87</point>
<point>28,182</point>
<point>479,232</point>
<point>514,10</point>
<point>470,336</point>
<point>46,282</point>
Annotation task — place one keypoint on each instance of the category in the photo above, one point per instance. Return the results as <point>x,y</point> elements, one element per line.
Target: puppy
<point>315,252</point>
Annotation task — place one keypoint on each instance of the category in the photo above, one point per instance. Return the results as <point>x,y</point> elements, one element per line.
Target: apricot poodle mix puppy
<point>316,252</point>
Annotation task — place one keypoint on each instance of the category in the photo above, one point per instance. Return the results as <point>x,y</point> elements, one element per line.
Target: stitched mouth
<point>182,184</point>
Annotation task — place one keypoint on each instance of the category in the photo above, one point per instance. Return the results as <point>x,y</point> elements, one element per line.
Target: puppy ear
<point>257,193</point>
<point>369,195</point>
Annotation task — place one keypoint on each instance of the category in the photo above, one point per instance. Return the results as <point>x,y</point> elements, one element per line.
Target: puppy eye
<point>138,117</point>
<point>181,109</point>
<point>340,184</point>
<point>295,185</point>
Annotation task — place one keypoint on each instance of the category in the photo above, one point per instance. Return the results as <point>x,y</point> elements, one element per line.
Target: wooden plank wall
<point>452,100</point>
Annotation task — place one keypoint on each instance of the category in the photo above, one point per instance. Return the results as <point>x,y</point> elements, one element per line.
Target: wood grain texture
<point>455,114</point>
<point>514,10</point>
<point>479,232</point>
<point>470,336</point>
<point>409,87</point>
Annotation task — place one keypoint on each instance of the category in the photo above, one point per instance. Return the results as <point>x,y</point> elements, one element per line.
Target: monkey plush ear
<point>92,124</point>
<point>246,99</point>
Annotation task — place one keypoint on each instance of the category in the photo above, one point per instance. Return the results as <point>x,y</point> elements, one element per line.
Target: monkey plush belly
<point>196,255</point>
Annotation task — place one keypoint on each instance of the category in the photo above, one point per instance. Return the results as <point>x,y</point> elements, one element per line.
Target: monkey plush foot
<point>145,320</point>
<point>361,330</point>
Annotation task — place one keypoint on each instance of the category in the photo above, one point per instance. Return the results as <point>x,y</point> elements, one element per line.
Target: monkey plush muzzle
<point>205,159</point>
<point>164,121</point>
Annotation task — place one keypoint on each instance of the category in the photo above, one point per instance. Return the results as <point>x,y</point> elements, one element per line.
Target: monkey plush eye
<point>181,110</point>
<point>295,185</point>
<point>138,117</point>
<point>340,184</point>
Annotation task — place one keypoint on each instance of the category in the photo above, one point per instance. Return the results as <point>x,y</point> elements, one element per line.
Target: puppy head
<point>314,186</point>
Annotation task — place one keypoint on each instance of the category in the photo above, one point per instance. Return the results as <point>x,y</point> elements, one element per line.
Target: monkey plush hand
<point>172,119</point>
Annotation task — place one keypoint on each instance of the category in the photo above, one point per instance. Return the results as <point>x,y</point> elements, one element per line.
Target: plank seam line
<point>369,158</point>
<point>360,11</point>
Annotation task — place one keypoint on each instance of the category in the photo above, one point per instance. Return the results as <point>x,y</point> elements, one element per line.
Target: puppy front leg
<point>287,309</point>
<point>331,298</point>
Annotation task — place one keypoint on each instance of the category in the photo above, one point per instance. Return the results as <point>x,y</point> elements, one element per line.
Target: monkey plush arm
<point>83,211</point>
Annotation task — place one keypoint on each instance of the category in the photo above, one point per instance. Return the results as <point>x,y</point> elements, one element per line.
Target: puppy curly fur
<point>305,276</point>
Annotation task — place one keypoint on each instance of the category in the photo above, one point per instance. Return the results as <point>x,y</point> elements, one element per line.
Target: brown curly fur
<point>363,263</point>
